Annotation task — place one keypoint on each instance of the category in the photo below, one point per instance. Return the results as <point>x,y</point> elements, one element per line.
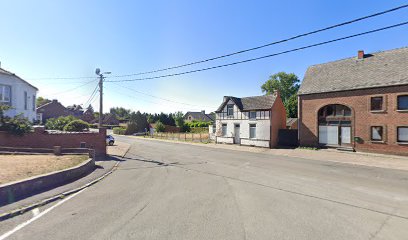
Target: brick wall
<point>362,118</point>
<point>43,139</point>
<point>278,121</point>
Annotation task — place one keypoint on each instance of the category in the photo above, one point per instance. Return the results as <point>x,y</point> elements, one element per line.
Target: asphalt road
<point>175,191</point>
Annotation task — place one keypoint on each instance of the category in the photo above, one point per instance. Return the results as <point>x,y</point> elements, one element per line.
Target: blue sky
<point>47,39</point>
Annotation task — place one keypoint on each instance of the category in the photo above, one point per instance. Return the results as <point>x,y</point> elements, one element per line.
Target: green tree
<point>287,84</point>
<point>59,123</point>
<point>17,125</point>
<point>41,101</point>
<point>179,119</point>
<point>160,126</point>
<point>76,126</point>
<point>120,112</point>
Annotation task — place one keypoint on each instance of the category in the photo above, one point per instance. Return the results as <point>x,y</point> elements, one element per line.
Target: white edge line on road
<point>22,225</point>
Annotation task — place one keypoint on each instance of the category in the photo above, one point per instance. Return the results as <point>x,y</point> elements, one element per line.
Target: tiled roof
<point>380,69</point>
<point>250,103</point>
<point>3,71</point>
<point>200,116</point>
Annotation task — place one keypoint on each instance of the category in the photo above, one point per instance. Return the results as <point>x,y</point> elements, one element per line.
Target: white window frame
<point>398,139</point>
<point>230,107</point>
<point>252,126</point>
<point>224,133</point>
<point>398,98</point>
<point>3,94</point>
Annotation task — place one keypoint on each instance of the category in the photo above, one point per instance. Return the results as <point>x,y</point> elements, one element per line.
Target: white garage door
<point>329,135</point>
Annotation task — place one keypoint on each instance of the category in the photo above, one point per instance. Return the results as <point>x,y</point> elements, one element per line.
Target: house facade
<point>198,116</point>
<point>53,109</point>
<point>359,103</point>
<point>252,121</point>
<point>19,94</point>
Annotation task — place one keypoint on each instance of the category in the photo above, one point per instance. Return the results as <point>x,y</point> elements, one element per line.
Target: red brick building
<point>358,103</point>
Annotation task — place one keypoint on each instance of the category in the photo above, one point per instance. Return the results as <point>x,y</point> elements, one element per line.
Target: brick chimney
<point>203,111</point>
<point>360,54</point>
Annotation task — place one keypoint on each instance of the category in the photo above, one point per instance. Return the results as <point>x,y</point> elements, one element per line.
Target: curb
<point>25,209</point>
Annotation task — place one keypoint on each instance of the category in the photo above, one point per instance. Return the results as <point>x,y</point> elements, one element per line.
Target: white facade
<point>237,127</point>
<point>19,95</point>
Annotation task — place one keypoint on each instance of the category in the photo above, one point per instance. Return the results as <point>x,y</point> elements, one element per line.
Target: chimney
<point>225,98</point>
<point>360,54</point>
<point>203,111</point>
<point>54,100</point>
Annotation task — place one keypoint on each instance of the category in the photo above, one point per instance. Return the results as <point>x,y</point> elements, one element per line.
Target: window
<point>402,102</point>
<point>252,130</point>
<point>25,100</point>
<point>402,134</point>
<point>377,133</point>
<point>376,103</point>
<point>252,115</point>
<point>224,129</point>
<point>230,109</point>
<point>5,92</point>
<point>214,128</point>
<point>33,102</point>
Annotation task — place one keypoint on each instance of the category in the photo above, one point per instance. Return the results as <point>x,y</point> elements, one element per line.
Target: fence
<point>191,137</point>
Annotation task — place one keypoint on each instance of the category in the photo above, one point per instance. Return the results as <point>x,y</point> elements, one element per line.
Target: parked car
<point>110,140</point>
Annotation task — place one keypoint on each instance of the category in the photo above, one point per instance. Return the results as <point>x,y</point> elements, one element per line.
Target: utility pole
<point>101,77</point>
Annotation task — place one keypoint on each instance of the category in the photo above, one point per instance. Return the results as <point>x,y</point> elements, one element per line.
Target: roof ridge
<point>343,59</point>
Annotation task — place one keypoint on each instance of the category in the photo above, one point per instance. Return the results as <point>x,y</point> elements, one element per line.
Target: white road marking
<point>24,224</point>
<point>35,211</point>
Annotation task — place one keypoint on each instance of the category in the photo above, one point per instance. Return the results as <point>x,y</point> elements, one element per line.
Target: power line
<point>270,44</point>
<point>165,99</point>
<point>72,89</point>
<point>93,94</point>
<point>262,57</point>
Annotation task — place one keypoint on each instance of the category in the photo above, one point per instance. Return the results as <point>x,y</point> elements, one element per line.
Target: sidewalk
<point>356,158</point>
<point>115,153</point>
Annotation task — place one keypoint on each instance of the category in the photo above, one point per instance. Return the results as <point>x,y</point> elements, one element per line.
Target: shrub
<point>59,123</point>
<point>131,128</point>
<point>17,125</point>
<point>76,126</point>
<point>160,126</point>
<point>119,130</point>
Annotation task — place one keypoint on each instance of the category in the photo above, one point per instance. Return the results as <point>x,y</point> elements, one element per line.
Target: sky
<point>44,41</point>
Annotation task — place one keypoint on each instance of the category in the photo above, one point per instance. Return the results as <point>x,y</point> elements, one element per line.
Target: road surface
<point>166,190</point>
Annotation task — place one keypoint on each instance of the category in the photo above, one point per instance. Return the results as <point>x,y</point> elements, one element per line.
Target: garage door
<point>329,135</point>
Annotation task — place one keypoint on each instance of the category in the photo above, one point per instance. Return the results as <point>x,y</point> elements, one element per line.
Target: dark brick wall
<point>53,109</point>
<point>43,139</point>
<point>362,117</point>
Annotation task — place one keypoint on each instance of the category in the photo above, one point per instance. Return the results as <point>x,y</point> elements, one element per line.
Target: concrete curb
<point>27,208</point>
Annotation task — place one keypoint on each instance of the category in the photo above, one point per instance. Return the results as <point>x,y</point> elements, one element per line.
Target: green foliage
<point>76,126</point>
<point>287,84</point>
<point>160,126</point>
<point>41,101</point>
<point>120,112</point>
<point>199,130</point>
<point>131,128</point>
<point>291,106</point>
<point>185,128</point>
<point>59,123</point>
<point>138,122</point>
<point>119,130</point>
<point>179,119</point>
<point>17,125</point>
<point>198,124</point>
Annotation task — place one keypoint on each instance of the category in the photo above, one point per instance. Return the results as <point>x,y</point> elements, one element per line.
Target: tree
<point>17,125</point>
<point>287,84</point>
<point>120,112</point>
<point>76,126</point>
<point>59,123</point>
<point>41,101</point>
<point>160,126</point>
<point>179,119</point>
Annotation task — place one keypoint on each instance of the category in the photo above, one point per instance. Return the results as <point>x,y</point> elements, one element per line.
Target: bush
<point>17,125</point>
<point>76,126</point>
<point>59,123</point>
<point>119,130</point>
<point>131,128</point>
<point>160,126</point>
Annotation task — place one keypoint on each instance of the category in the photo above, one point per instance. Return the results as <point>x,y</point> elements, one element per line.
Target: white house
<point>253,121</point>
<point>18,94</point>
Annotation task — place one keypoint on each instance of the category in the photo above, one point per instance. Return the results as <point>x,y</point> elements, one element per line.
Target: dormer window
<point>230,109</point>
